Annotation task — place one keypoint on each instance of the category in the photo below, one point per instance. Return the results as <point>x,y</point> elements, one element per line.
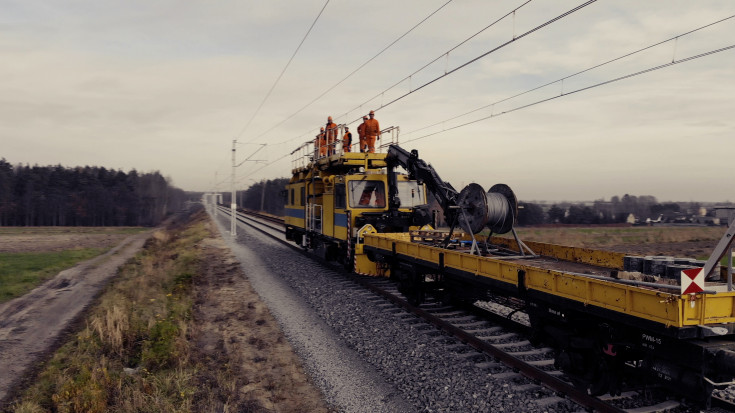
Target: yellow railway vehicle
<point>331,195</point>
<point>610,329</point>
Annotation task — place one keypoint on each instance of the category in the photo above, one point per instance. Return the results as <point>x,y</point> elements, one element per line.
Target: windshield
<point>367,194</point>
<point>411,194</point>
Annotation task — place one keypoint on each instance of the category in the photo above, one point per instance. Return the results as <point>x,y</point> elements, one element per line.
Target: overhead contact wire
<point>539,27</point>
<point>356,70</point>
<point>651,69</point>
<point>510,13</point>
<point>515,38</point>
<point>573,75</point>
<point>284,70</point>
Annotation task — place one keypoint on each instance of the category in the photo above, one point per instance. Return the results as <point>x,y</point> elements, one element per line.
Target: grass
<point>132,354</point>
<point>606,236</point>
<point>21,272</point>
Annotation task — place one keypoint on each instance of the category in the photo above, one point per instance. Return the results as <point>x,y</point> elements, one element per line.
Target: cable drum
<point>497,208</point>
<point>502,209</point>
<point>473,214</point>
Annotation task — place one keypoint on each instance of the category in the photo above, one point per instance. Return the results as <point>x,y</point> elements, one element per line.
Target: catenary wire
<point>572,75</point>
<point>354,71</point>
<point>539,27</point>
<point>630,75</point>
<point>283,71</point>
<point>515,38</point>
<point>634,74</point>
<point>510,13</point>
<point>555,97</point>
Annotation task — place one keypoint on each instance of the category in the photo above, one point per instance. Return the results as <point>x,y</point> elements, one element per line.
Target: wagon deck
<point>591,280</point>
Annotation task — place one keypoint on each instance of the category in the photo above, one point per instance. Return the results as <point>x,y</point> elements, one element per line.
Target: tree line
<point>84,196</point>
<point>266,195</point>
<point>617,210</point>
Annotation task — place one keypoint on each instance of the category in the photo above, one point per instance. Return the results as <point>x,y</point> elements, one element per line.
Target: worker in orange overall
<point>331,136</point>
<point>320,143</point>
<point>372,132</point>
<point>346,140</point>
<point>361,134</point>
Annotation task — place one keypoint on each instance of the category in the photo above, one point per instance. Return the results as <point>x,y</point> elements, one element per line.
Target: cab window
<point>340,198</point>
<point>367,194</point>
<point>411,194</point>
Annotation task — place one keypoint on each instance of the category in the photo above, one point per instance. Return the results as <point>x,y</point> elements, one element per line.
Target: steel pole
<point>233,203</point>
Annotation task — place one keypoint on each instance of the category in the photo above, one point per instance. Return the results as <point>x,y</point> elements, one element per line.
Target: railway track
<point>493,341</point>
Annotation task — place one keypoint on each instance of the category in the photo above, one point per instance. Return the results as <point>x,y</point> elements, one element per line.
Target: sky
<point>167,86</point>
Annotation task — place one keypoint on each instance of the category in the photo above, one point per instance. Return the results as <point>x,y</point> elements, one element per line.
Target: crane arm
<point>422,172</point>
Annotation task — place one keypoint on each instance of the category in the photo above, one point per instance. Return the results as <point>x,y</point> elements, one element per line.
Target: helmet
<point>372,112</point>
<point>329,119</point>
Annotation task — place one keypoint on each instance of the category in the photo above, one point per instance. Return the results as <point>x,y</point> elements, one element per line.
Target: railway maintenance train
<point>611,328</point>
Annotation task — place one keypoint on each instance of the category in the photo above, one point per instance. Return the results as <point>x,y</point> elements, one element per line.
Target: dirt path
<point>30,325</point>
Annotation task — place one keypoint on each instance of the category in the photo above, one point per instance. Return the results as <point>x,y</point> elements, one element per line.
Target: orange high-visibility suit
<point>361,134</point>
<point>372,132</point>
<point>346,142</point>
<point>331,131</point>
<point>321,143</point>
<point>367,195</point>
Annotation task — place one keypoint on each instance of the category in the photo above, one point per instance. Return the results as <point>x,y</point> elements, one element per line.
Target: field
<point>32,255</point>
<point>35,239</point>
<point>689,242</point>
<point>178,330</point>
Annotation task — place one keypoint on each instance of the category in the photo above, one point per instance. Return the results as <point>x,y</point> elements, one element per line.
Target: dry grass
<point>132,356</point>
<point>607,236</point>
<point>179,330</point>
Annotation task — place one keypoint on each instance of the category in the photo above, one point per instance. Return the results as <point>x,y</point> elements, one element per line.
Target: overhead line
<point>515,38</point>
<point>651,69</point>
<point>674,62</point>
<point>561,16</point>
<point>442,55</point>
<point>356,70</point>
<point>284,70</point>
<point>574,74</point>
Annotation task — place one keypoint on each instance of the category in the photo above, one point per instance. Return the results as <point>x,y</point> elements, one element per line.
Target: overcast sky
<point>167,86</point>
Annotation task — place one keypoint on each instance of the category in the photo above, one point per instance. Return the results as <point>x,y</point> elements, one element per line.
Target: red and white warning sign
<point>692,281</point>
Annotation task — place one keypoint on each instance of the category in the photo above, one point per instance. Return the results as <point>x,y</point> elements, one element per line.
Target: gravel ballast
<point>365,355</point>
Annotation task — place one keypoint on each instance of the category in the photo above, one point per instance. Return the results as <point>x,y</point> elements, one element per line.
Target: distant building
<point>725,214</point>
<point>705,220</point>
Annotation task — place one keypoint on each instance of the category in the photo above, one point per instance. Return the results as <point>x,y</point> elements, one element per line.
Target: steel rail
<point>532,372</point>
<point>578,396</point>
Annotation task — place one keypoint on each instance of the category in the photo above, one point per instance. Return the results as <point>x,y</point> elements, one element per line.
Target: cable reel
<point>497,209</point>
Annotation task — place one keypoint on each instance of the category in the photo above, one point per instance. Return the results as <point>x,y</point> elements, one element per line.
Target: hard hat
<point>329,118</point>
<point>321,129</point>
<point>372,113</point>
<point>364,117</point>
<point>347,128</point>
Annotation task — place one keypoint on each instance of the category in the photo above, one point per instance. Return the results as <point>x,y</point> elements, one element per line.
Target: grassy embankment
<point>20,272</point>
<point>131,355</point>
